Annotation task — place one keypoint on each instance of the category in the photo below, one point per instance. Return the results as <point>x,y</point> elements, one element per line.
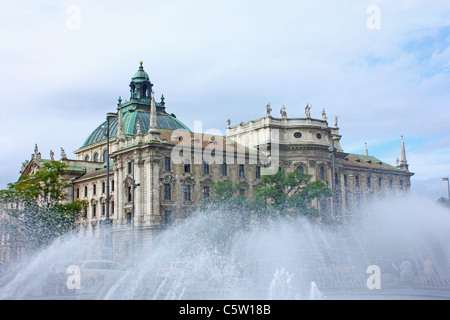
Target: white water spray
<point>206,257</point>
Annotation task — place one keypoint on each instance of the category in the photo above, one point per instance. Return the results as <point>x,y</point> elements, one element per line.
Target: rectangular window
<point>187,193</point>
<point>94,189</point>
<point>94,207</point>
<point>258,172</point>
<point>103,187</point>
<point>168,217</point>
<point>112,185</point>
<point>130,167</point>
<point>380,182</point>
<point>369,182</point>
<point>205,167</point>
<point>205,192</point>
<point>241,171</point>
<point>187,166</point>
<point>112,207</point>
<point>224,169</point>
<point>357,181</point>
<point>322,173</point>
<point>166,164</point>
<point>130,196</point>
<point>85,191</point>
<point>167,191</point>
<point>78,193</point>
<point>345,180</point>
<point>103,209</point>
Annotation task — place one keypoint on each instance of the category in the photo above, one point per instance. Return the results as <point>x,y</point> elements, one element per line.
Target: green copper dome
<point>136,112</point>
<point>130,121</point>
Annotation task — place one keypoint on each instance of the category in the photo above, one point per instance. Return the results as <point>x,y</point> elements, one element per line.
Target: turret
<point>140,85</point>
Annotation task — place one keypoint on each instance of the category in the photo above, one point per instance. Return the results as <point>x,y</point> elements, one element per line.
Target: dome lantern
<point>140,85</point>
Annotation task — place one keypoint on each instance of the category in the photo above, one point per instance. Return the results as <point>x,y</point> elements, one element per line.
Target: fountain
<point>205,257</point>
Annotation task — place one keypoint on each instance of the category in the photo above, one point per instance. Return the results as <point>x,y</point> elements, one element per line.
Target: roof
<point>204,140</point>
<point>130,119</point>
<point>368,162</point>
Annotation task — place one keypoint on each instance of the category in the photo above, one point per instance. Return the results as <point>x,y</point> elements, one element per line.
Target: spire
<point>403,163</point>
<point>120,129</point>
<point>153,124</point>
<point>366,151</point>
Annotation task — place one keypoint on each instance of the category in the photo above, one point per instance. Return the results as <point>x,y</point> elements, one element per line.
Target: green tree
<point>224,190</point>
<point>34,208</point>
<point>44,188</point>
<point>291,192</point>
<point>227,195</point>
<point>279,194</point>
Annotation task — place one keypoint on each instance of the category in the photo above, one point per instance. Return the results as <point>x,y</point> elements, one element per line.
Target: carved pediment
<point>188,180</point>
<point>207,181</point>
<point>29,167</point>
<point>24,166</point>
<point>168,179</point>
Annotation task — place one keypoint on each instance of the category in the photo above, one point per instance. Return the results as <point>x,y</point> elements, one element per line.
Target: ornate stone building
<point>159,170</point>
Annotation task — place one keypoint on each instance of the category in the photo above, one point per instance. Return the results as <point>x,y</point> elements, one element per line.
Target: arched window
<point>86,158</point>
<point>96,157</point>
<point>322,173</point>
<point>104,156</point>
<point>300,169</point>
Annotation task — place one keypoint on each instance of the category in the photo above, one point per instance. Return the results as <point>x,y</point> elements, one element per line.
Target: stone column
<point>154,191</point>
<point>148,186</point>
<point>119,189</point>
<point>351,191</point>
<point>138,191</point>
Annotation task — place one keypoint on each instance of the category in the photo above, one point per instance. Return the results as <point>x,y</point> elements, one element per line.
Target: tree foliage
<point>291,193</point>
<point>34,211</point>
<point>282,193</point>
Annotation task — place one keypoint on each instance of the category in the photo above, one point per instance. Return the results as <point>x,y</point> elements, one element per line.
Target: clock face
<point>330,149</point>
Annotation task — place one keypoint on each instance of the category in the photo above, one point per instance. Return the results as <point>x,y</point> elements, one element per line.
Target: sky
<point>382,67</point>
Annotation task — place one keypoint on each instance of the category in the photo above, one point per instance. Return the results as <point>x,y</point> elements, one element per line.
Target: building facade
<point>159,170</point>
